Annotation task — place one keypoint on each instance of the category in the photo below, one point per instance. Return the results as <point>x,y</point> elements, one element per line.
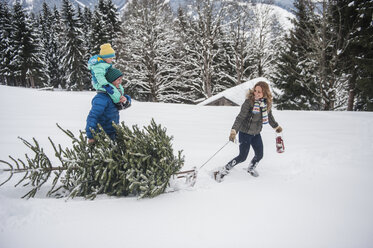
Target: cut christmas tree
<point>137,163</point>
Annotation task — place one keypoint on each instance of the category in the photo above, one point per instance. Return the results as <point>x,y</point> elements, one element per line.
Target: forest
<point>322,62</point>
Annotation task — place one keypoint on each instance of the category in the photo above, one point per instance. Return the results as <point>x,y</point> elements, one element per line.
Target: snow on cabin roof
<point>236,94</point>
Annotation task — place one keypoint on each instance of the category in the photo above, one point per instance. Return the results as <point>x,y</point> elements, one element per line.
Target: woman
<point>255,111</point>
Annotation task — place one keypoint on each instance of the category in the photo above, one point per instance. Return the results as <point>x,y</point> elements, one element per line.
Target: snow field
<point>319,193</point>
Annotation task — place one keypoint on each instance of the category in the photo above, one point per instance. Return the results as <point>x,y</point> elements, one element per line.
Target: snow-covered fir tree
<point>85,25</point>
<point>186,75</point>
<point>317,69</point>
<point>343,23</point>
<point>37,74</point>
<point>293,75</point>
<point>57,38</point>
<point>357,20</point>
<point>25,63</point>
<point>18,33</point>
<point>113,20</point>
<point>5,44</point>
<point>105,25</point>
<point>73,50</point>
<point>49,45</point>
<point>148,49</point>
<point>327,45</point>
<point>86,20</point>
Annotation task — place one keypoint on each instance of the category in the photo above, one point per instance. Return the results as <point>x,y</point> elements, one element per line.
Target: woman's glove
<point>232,136</point>
<point>278,129</point>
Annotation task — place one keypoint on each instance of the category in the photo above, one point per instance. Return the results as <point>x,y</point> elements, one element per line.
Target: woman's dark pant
<point>247,140</point>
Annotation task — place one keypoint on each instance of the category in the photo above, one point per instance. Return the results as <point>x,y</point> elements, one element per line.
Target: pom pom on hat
<point>113,74</point>
<point>107,51</point>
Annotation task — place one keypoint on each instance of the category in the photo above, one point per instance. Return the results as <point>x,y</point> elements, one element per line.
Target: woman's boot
<point>252,168</point>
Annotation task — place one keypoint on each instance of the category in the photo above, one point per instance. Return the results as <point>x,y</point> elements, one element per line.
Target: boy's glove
<point>128,99</point>
<point>108,89</point>
<point>232,136</point>
<point>124,105</point>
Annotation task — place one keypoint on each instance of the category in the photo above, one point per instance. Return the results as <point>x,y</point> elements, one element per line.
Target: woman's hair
<point>266,92</point>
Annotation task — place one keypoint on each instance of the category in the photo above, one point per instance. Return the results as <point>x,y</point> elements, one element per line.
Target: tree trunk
<point>208,90</point>
<point>351,92</point>
<point>32,82</point>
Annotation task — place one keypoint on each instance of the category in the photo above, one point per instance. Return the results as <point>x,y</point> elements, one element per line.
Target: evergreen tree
<point>112,20</point>
<point>37,74</point>
<point>294,73</point>
<point>5,44</point>
<point>362,48</point>
<point>86,46</point>
<point>98,37</point>
<point>25,64</point>
<point>182,54</point>
<point>326,47</point>
<point>105,25</point>
<point>324,75</point>
<point>18,32</point>
<point>46,33</point>
<point>57,69</point>
<point>138,163</point>
<point>86,21</point>
<point>343,22</point>
<point>73,50</point>
<point>228,74</point>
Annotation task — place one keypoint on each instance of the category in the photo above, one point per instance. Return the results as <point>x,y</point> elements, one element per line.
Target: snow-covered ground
<point>319,193</point>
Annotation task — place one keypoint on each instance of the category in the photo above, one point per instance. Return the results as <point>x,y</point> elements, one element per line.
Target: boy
<point>99,65</point>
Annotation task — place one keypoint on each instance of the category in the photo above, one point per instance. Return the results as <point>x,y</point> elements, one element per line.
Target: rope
<point>214,154</point>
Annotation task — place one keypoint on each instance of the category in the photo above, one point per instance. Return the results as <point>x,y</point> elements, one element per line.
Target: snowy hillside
<point>286,4</point>
<point>319,193</point>
<point>36,5</point>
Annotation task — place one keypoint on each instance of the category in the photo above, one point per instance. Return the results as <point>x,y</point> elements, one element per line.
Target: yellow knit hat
<point>107,51</point>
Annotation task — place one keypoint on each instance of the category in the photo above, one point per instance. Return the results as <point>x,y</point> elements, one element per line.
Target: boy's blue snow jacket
<point>103,112</point>
<point>98,68</point>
